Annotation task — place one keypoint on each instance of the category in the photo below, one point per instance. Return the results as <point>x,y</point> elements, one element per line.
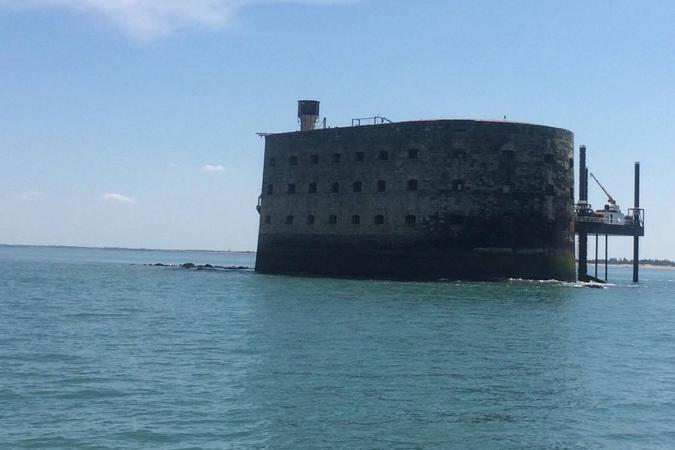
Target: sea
<point>99,350</point>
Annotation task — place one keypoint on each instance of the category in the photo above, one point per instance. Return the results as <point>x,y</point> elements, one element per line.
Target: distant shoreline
<point>126,248</point>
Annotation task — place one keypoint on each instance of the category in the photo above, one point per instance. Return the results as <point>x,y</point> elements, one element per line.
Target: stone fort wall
<point>427,199</point>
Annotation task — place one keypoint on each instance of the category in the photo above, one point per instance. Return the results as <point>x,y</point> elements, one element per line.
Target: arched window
<point>270,189</point>
<point>550,190</point>
<point>381,186</point>
<point>291,188</point>
<point>337,157</point>
<point>289,220</point>
<point>293,160</point>
<point>357,186</point>
<point>314,159</point>
<point>332,219</point>
<point>310,219</point>
<point>335,187</point>
<point>359,156</point>
<point>312,188</point>
<point>273,162</point>
<point>379,219</point>
<point>410,219</point>
<point>413,153</point>
<point>356,220</point>
<point>383,155</point>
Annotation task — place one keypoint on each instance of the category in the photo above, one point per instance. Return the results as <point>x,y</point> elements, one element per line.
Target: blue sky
<point>111,112</point>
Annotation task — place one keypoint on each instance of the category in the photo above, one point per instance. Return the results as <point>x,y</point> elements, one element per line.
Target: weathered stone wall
<point>462,199</point>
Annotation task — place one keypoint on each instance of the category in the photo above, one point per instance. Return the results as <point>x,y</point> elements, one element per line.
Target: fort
<point>432,199</point>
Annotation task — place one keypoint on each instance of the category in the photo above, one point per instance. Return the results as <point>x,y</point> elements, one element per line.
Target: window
<point>311,219</point>
<point>412,185</point>
<point>357,186</point>
<point>335,187</point>
<point>293,160</point>
<point>267,220</point>
<point>314,159</point>
<point>289,220</point>
<point>381,186</point>
<point>312,188</point>
<point>459,154</point>
<point>548,158</point>
<point>270,189</point>
<point>458,185</point>
<point>273,162</point>
<point>359,156</point>
<point>332,219</point>
<point>356,220</point>
<point>571,163</point>
<point>383,155</point>
<point>410,219</point>
<point>379,219</point>
<point>291,188</point>
<point>413,153</point>
<point>337,157</point>
<point>572,194</point>
<point>550,190</point>
<point>508,155</point>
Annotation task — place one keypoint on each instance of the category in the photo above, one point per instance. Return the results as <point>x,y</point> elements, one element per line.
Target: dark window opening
<point>572,194</point>
<point>410,219</point>
<point>312,188</point>
<point>310,220</point>
<point>267,220</point>
<point>550,190</point>
<point>293,160</point>
<point>459,154</point>
<point>381,186</point>
<point>508,155</point>
<point>548,158</point>
<point>383,155</point>
<point>357,186</point>
<point>335,187</point>
<point>314,159</point>
<point>413,153</point>
<point>412,185</point>
<point>270,189</point>
<point>571,163</point>
<point>273,162</point>
<point>379,219</point>
<point>337,157</point>
<point>356,220</point>
<point>332,219</point>
<point>458,185</point>
<point>359,157</point>
<point>289,220</point>
<point>291,188</point>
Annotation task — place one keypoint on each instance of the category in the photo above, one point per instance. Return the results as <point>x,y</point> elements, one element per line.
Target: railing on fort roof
<point>375,120</point>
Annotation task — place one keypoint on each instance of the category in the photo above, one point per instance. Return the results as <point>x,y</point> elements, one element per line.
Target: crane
<point>610,199</point>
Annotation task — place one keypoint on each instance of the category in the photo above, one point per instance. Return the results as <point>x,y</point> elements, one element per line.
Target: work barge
<point>427,200</point>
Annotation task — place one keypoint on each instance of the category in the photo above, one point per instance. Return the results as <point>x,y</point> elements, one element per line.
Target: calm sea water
<point>98,351</point>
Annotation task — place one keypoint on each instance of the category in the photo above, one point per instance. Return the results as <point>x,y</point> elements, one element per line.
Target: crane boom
<point>610,199</point>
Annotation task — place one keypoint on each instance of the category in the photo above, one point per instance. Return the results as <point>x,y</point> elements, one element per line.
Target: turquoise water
<point>99,351</point>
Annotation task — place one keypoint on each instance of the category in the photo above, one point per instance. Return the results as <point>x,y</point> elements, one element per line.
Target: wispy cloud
<point>150,19</point>
<point>213,168</point>
<point>117,198</point>
<point>29,195</point>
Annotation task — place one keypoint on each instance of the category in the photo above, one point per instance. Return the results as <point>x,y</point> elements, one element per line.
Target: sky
<point>132,123</point>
